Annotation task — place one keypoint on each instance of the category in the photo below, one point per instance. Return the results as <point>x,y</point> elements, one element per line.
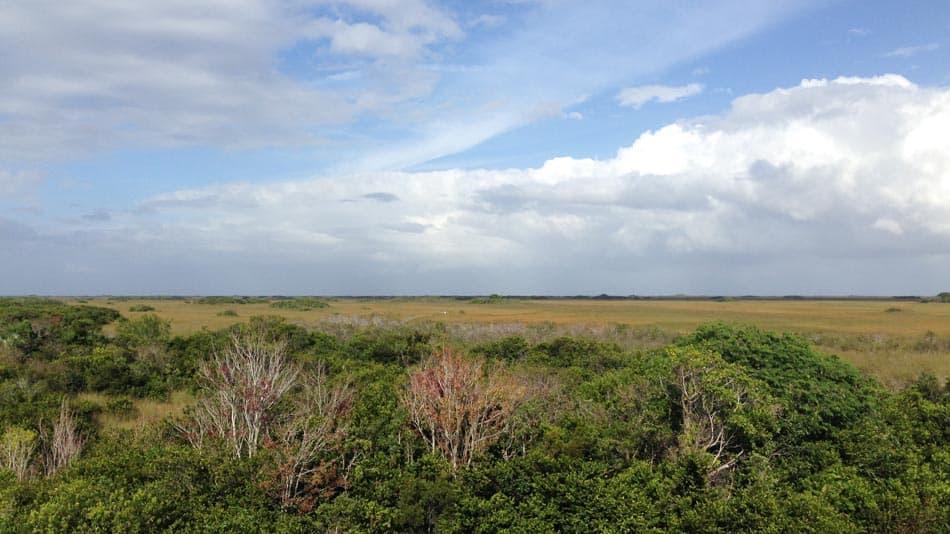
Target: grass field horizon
<point>894,339</point>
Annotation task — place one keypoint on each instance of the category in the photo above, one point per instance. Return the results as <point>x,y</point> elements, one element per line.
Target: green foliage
<point>131,487</point>
<point>146,330</point>
<point>141,308</point>
<point>44,328</point>
<point>402,346</point>
<point>819,394</point>
<point>490,299</point>
<point>567,351</point>
<point>275,327</point>
<point>229,300</point>
<point>510,349</point>
<point>121,407</point>
<point>300,304</point>
<point>608,440</point>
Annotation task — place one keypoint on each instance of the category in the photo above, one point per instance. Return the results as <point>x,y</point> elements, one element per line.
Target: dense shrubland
<point>380,427</point>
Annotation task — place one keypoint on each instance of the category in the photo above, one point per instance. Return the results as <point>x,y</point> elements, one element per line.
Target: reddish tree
<point>458,407</point>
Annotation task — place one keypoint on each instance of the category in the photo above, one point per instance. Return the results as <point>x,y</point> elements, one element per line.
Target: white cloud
<point>488,21</point>
<point>407,28</point>
<point>81,77</point>
<point>888,225</point>
<point>363,38</point>
<point>18,184</point>
<point>909,51</point>
<point>636,97</point>
<point>787,191</point>
<point>369,81</point>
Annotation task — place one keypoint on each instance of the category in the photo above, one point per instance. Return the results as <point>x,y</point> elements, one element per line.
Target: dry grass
<point>847,316</point>
<point>147,411</point>
<point>886,338</point>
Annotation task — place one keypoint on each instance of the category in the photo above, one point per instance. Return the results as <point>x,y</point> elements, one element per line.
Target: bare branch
<point>66,442</point>
<point>16,448</point>
<point>457,408</point>
<point>242,384</point>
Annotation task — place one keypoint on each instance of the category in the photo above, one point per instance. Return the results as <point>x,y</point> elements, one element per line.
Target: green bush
<point>122,408</point>
<point>300,304</point>
<point>229,300</point>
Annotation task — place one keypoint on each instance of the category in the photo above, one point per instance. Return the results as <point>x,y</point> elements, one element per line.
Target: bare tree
<point>307,439</point>
<point>458,408</point>
<point>16,448</point>
<point>243,384</point>
<point>65,444</point>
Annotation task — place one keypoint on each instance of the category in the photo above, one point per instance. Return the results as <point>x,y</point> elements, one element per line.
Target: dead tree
<point>243,384</point>
<point>65,444</point>
<point>458,408</point>
<point>16,449</point>
<point>308,444</point>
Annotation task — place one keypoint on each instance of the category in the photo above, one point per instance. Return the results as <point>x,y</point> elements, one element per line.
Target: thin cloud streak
<point>910,51</point>
<point>636,97</point>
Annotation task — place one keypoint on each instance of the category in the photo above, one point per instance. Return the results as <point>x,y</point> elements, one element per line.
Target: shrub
<point>300,304</point>
<point>229,300</point>
<point>121,408</point>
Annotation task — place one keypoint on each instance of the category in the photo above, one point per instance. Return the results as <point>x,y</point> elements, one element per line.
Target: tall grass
<point>145,411</point>
<point>895,346</point>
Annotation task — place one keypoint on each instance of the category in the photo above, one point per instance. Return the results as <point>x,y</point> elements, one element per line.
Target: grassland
<point>144,412</point>
<point>895,340</point>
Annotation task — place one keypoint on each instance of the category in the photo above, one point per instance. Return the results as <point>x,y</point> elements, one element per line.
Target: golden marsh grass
<point>894,340</point>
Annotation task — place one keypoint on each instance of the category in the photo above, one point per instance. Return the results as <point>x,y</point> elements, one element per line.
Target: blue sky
<point>413,147</point>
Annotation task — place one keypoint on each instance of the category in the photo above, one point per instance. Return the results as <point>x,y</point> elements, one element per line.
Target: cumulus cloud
<point>636,97</point>
<point>793,190</point>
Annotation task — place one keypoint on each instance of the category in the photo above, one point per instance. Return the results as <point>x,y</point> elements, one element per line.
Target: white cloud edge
<point>636,97</point>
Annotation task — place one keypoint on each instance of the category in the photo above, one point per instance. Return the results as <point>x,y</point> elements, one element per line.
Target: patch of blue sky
<point>123,178</point>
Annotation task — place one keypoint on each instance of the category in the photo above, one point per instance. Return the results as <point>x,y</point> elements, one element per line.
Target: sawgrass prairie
<point>895,340</point>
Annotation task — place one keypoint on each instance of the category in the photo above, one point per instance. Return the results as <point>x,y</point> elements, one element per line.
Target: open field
<point>895,340</point>
<point>144,411</point>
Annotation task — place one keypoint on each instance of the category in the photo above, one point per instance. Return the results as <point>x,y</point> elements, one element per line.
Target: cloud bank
<point>830,186</point>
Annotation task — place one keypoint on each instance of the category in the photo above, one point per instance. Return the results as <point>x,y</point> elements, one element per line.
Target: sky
<point>412,147</point>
